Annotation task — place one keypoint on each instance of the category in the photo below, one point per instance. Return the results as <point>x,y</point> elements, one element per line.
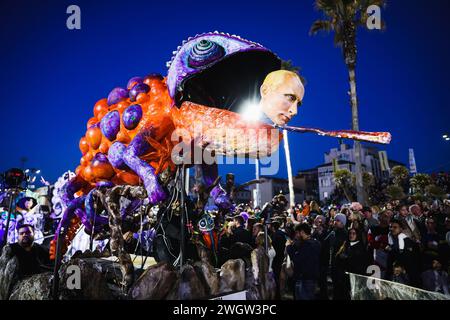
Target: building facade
<point>271,186</point>
<point>307,184</point>
<point>344,158</point>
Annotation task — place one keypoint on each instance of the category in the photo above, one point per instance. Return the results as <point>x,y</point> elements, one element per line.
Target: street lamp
<point>446,137</point>
<point>32,175</point>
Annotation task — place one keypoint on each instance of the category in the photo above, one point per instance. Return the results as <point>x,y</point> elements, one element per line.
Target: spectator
<point>369,221</point>
<point>435,279</point>
<point>375,212</point>
<point>377,238</point>
<point>314,209</point>
<point>226,236</point>
<point>336,239</point>
<point>331,215</point>
<point>32,258</point>
<point>404,250</point>
<point>351,257</point>
<point>320,234</point>
<point>411,229</point>
<point>431,240</point>
<point>416,211</point>
<point>399,274</point>
<point>279,244</point>
<point>305,211</point>
<point>305,255</point>
<point>419,218</point>
<point>260,243</point>
<point>257,228</point>
<point>240,234</point>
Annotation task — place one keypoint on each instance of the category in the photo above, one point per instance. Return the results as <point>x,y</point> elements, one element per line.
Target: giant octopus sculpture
<point>128,141</point>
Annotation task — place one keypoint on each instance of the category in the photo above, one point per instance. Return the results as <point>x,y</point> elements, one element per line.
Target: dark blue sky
<point>51,77</point>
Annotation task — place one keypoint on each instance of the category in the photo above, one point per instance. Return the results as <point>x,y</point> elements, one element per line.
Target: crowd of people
<point>311,248</point>
<point>408,242</point>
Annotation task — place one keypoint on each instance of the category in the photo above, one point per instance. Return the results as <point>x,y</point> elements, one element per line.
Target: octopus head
<point>219,70</point>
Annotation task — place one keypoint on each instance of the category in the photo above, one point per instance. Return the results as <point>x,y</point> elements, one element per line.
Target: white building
<point>271,186</point>
<point>345,157</point>
<point>326,177</point>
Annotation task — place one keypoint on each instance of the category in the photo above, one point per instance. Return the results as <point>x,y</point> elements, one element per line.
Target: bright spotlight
<point>38,171</point>
<point>28,170</point>
<point>447,139</point>
<point>250,111</point>
<point>445,136</point>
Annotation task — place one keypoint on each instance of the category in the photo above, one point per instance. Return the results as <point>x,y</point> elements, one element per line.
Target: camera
<point>14,179</point>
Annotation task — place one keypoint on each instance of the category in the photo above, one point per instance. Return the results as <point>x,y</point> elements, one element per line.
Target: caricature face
<point>281,96</point>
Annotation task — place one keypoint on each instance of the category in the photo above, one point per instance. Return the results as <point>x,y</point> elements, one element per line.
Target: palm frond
<point>321,25</point>
<point>367,3</point>
<point>288,65</point>
<point>326,5</point>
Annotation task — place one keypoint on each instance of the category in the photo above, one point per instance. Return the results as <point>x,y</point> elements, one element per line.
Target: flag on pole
<point>412,162</point>
<point>384,161</point>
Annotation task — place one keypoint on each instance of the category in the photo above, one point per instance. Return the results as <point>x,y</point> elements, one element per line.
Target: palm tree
<point>343,17</point>
<point>289,65</point>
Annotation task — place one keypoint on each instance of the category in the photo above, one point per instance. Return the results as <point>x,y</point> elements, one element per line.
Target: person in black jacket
<point>305,255</point>
<point>279,244</point>
<point>240,234</point>
<point>352,257</point>
<point>32,258</point>
<point>336,239</point>
<point>320,234</point>
<point>403,250</point>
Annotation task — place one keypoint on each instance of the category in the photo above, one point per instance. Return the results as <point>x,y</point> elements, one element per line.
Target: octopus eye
<point>205,52</point>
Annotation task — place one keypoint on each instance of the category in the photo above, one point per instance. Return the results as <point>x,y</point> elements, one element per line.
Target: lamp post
<point>32,174</point>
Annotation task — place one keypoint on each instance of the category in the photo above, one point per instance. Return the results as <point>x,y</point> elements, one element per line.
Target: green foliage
<point>435,192</point>
<point>400,174</point>
<point>419,182</point>
<point>342,178</point>
<point>394,192</point>
<point>368,180</point>
<point>288,65</point>
<point>340,14</point>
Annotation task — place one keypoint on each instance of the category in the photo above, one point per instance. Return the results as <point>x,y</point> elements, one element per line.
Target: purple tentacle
<point>137,147</point>
<point>69,213</point>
